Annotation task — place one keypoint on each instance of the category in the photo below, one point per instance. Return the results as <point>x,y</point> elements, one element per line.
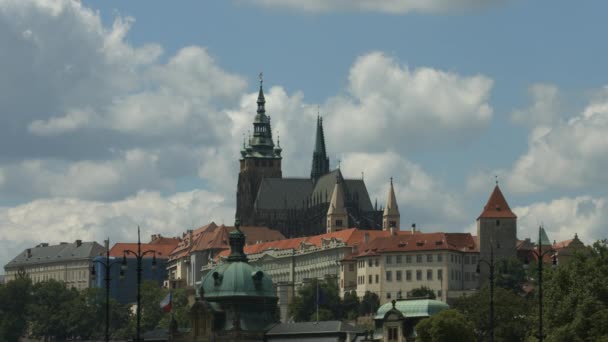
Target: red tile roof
<point>497,206</point>
<point>463,242</point>
<point>162,250</point>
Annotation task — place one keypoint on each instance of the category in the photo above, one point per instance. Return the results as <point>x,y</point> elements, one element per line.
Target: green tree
<point>576,297</point>
<point>422,291</point>
<point>369,303</point>
<point>512,314</point>
<point>446,326</point>
<point>350,305</point>
<point>304,306</point>
<point>510,274</point>
<point>50,309</point>
<point>180,310</point>
<point>15,298</point>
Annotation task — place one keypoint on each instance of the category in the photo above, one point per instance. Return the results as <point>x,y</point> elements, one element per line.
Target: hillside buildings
<point>66,262</point>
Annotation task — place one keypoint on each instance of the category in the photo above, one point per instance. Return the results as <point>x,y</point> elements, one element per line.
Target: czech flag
<point>165,304</point>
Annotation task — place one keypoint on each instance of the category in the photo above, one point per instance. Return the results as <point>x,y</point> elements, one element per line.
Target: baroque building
<point>295,206</point>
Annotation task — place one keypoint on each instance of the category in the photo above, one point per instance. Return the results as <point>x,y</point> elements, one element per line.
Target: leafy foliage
<point>15,297</point>
<point>510,274</point>
<point>369,303</point>
<point>576,297</point>
<point>422,291</point>
<point>512,314</point>
<point>304,306</point>
<point>446,326</point>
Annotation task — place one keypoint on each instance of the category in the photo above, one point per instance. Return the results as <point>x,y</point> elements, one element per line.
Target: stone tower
<point>337,217</point>
<point>259,159</point>
<point>320,161</point>
<point>497,229</point>
<point>391,216</point>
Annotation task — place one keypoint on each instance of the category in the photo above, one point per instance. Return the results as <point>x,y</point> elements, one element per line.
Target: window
<point>452,275</point>
<point>439,293</point>
<point>377,262</point>
<point>473,259</point>
<point>369,262</point>
<point>388,295</point>
<point>389,276</point>
<point>429,258</point>
<point>408,275</point>
<point>429,274</point>
<point>439,257</point>
<point>370,279</point>
<point>418,258</point>
<point>497,223</point>
<point>398,276</point>
<point>392,224</point>
<point>466,259</point>
<point>418,275</point>
<point>392,334</point>
<point>440,274</point>
<point>338,223</point>
<point>389,259</point>
<point>398,259</point>
<point>377,279</point>
<point>408,259</point>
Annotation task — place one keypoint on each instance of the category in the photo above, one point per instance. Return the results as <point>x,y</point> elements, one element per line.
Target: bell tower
<point>260,158</point>
<point>337,217</point>
<point>391,216</point>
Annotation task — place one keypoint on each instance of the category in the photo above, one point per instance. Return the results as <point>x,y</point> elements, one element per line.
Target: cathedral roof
<point>497,206</point>
<point>353,188</point>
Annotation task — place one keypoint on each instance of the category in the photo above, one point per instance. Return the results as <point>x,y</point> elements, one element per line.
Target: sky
<point>115,114</point>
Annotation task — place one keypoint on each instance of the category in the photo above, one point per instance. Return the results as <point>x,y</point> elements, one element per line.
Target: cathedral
<point>295,206</point>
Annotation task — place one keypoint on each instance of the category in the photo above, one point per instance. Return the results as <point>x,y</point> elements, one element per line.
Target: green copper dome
<point>414,308</point>
<point>236,278</point>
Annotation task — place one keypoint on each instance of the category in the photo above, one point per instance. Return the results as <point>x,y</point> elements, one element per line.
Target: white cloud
<point>544,109</point>
<point>564,217</point>
<point>384,6</point>
<point>411,108</point>
<point>61,219</point>
<point>569,155</point>
<point>421,199</point>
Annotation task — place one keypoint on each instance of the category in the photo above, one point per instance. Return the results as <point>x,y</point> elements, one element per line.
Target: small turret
<point>337,216</point>
<point>391,216</point>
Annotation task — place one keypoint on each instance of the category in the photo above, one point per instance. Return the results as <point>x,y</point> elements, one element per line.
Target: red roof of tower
<point>497,206</point>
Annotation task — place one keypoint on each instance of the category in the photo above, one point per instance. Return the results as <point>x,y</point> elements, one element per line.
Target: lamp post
<point>540,256</point>
<point>491,264</point>
<point>139,255</point>
<point>108,265</point>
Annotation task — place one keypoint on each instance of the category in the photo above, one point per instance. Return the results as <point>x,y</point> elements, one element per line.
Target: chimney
<point>413,228</point>
<point>78,243</point>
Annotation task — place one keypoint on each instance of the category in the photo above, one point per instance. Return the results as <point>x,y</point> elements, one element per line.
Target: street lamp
<point>491,264</point>
<point>540,255</point>
<point>139,255</point>
<point>108,265</point>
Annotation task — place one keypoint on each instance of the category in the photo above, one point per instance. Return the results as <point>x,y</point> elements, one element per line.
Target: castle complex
<point>295,206</point>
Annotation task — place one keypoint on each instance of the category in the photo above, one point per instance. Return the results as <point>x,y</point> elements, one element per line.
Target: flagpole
<point>317,300</point>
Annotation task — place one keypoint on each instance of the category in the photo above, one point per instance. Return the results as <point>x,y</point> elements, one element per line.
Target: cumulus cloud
<point>413,108</point>
<point>422,199</point>
<point>67,219</point>
<point>544,109</point>
<point>564,217</point>
<point>568,155</point>
<point>385,6</point>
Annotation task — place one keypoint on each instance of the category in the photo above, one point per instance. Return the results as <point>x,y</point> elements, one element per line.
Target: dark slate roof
<point>282,193</point>
<point>43,253</point>
<point>326,183</point>
<point>322,327</point>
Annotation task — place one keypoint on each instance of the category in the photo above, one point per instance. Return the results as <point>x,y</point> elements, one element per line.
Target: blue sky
<point>123,113</point>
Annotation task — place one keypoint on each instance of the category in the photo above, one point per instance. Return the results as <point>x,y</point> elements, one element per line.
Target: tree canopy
<point>446,326</point>
<point>422,291</point>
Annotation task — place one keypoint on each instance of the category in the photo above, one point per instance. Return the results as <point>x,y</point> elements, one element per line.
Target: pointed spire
<point>337,217</point>
<point>320,161</point>
<point>391,216</point>
<point>261,99</point>
<point>497,206</point>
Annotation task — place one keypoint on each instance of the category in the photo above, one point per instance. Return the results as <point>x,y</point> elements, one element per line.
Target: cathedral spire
<point>320,161</point>
<point>337,217</point>
<point>261,99</point>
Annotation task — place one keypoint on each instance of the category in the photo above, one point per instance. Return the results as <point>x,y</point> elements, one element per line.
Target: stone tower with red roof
<point>497,230</point>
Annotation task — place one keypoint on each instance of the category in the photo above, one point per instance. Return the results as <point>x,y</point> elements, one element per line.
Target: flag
<point>165,304</point>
